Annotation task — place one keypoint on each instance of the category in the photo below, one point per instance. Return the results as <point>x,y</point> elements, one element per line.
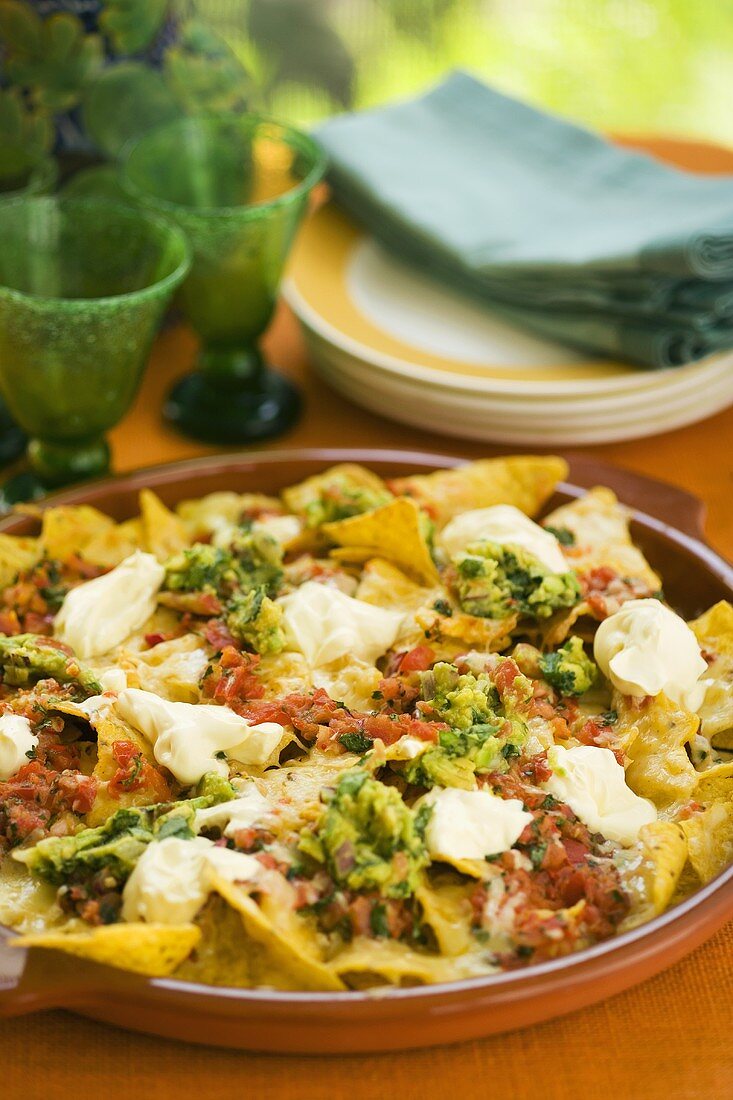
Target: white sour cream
<point>645,649</point>
<point>470,825</point>
<point>98,615</point>
<point>324,624</point>
<point>240,813</point>
<point>16,741</point>
<point>174,877</point>
<point>593,784</point>
<point>506,525</point>
<point>187,737</point>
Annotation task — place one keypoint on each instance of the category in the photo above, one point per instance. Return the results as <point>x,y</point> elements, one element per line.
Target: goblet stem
<point>61,463</point>
<point>233,397</point>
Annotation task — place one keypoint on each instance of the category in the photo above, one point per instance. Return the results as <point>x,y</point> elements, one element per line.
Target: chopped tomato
<point>419,659</point>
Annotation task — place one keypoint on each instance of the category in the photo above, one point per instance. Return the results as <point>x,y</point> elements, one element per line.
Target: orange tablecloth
<point>669,1038</point>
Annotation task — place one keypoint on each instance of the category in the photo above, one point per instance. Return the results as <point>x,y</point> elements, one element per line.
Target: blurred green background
<point>631,66</point>
<point>82,77</point>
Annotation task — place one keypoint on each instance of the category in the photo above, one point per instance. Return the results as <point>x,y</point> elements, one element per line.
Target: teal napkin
<point>548,224</point>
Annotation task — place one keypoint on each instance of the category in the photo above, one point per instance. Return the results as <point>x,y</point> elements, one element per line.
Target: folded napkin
<point>553,227</point>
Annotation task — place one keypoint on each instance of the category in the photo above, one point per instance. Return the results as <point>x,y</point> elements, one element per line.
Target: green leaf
<point>22,128</point>
<point>53,58</point>
<point>302,45</point>
<point>124,101</point>
<point>20,27</point>
<point>204,74</point>
<point>131,25</point>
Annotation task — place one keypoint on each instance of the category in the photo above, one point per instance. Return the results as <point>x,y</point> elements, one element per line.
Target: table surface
<point>666,1038</point>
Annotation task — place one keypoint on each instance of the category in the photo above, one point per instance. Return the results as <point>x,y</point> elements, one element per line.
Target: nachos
<point>363,733</point>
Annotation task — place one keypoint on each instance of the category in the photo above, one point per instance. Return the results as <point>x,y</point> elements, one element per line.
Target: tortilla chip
<point>152,949</point>
<point>114,544</point>
<point>384,585</point>
<point>349,680</point>
<point>714,632</point>
<point>526,481</point>
<point>171,669</point>
<point>664,849</point>
<point>446,906</point>
<point>110,729</point>
<point>462,630</point>
<point>164,533</point>
<point>710,840</point>
<point>393,531</point>
<point>16,555</point>
<point>286,937</point>
<point>298,497</point>
<point>654,734</point>
<point>202,518</point>
<point>366,962</point>
<point>715,784</point>
<point>69,529</point>
<point>602,537</point>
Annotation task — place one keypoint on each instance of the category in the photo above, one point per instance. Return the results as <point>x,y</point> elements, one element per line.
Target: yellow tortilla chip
<point>367,962</point>
<point>393,531</point>
<point>487,635</point>
<point>710,840</point>
<point>655,734</point>
<point>602,537</point>
<point>164,533</point>
<point>69,529</point>
<point>171,669</point>
<point>16,556</point>
<point>384,585</point>
<point>284,935</point>
<point>715,784</point>
<point>114,544</point>
<point>446,906</point>
<point>217,511</point>
<point>714,632</point>
<point>526,481</point>
<point>110,728</point>
<point>664,849</point>
<point>298,497</point>
<point>152,949</point>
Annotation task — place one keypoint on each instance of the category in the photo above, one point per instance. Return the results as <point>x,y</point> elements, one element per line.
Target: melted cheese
<point>470,825</point>
<point>506,525</point>
<point>174,877</point>
<point>187,738</point>
<point>98,615</point>
<point>324,624</point>
<point>16,741</point>
<point>593,784</point>
<point>645,649</point>
<point>240,813</point>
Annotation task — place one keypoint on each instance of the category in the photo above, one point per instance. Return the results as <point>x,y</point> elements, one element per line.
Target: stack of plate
<point>410,349</point>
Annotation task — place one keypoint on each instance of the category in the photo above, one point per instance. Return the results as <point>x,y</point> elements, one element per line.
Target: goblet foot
<point>231,411</point>
<point>62,463</point>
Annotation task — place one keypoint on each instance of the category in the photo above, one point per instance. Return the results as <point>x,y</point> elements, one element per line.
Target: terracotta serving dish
<point>667,524</point>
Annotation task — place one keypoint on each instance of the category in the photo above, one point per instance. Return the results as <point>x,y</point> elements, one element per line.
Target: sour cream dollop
<point>187,738</point>
<point>506,525</point>
<point>324,624</point>
<point>173,878</point>
<point>16,741</point>
<point>646,649</point>
<point>470,825</point>
<point>593,784</point>
<point>98,615</point>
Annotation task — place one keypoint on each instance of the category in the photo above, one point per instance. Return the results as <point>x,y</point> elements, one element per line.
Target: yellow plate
<point>349,291</point>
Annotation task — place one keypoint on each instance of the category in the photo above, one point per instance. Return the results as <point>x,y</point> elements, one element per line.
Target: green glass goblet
<point>238,185</point>
<point>21,173</point>
<point>83,286</point>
